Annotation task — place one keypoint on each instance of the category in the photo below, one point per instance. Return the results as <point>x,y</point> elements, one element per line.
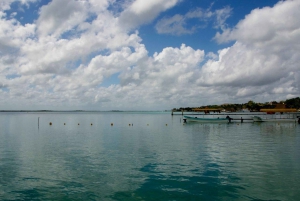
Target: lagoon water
<point>157,157</point>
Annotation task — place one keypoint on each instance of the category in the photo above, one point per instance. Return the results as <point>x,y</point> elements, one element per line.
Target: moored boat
<point>207,120</point>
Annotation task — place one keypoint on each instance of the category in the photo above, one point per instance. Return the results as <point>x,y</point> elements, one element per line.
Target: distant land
<point>232,107</point>
<point>45,111</point>
<point>250,105</point>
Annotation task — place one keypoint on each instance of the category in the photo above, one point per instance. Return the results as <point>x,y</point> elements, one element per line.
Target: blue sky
<point>202,38</point>
<point>135,54</point>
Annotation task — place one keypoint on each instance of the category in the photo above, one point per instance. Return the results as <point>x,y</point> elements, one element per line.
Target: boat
<point>207,120</point>
<point>259,119</point>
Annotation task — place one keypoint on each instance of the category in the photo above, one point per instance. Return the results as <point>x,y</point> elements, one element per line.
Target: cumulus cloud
<point>262,26</point>
<point>64,57</point>
<point>60,16</point>
<point>266,53</point>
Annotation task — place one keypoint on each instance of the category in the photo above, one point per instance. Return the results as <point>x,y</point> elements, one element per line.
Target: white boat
<point>207,120</point>
<point>259,119</point>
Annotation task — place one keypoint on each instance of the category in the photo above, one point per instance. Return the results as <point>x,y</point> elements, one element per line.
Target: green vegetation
<point>293,103</point>
<point>250,105</point>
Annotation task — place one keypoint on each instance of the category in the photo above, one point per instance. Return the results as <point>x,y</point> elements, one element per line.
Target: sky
<point>147,55</point>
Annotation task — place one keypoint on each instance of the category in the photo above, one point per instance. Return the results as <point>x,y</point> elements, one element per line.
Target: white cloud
<point>262,26</point>
<point>179,24</point>
<point>221,16</point>
<point>174,25</point>
<point>60,16</point>
<point>46,65</point>
<point>142,12</point>
<point>64,60</point>
<point>265,56</point>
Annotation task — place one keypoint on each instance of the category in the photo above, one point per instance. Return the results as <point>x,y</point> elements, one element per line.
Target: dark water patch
<point>211,185</point>
<point>28,194</point>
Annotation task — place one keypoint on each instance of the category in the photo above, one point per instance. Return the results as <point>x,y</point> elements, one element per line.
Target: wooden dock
<point>240,117</point>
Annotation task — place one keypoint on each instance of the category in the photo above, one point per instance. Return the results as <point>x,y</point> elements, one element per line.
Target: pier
<point>240,117</point>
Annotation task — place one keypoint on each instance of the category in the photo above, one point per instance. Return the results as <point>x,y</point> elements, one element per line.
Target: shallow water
<point>156,157</point>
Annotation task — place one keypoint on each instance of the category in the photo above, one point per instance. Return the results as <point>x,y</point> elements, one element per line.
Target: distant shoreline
<point>12,111</point>
<point>45,111</point>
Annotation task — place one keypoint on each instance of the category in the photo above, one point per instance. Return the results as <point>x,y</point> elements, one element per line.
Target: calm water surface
<point>154,158</point>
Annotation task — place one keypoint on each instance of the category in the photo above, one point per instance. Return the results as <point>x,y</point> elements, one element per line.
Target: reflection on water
<point>193,185</point>
<point>278,128</point>
<point>155,158</point>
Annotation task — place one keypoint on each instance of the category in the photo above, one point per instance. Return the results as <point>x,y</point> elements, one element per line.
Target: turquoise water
<point>156,157</point>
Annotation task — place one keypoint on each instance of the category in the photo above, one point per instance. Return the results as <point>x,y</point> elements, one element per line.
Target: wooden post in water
<point>38,122</point>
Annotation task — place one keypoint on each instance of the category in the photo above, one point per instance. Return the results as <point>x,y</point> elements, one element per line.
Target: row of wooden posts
<point>50,123</point>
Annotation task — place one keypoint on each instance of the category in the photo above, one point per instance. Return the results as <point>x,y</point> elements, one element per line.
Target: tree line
<point>250,105</point>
